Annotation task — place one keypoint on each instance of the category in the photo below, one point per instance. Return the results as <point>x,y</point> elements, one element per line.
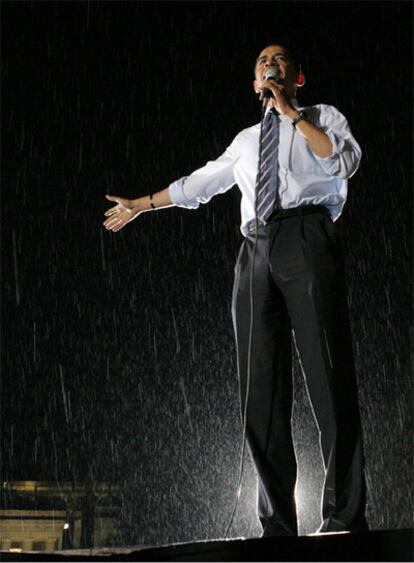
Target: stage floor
<point>380,545</point>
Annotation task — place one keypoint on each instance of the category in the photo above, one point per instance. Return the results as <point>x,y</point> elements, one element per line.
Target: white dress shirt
<point>304,177</point>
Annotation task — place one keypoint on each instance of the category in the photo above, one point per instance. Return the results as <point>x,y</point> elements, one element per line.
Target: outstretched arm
<point>127,210</point>
<point>216,177</point>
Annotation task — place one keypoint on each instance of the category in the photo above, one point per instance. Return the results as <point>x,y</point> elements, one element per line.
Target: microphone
<point>271,74</point>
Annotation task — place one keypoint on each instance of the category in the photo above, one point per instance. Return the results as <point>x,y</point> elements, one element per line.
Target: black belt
<point>291,212</point>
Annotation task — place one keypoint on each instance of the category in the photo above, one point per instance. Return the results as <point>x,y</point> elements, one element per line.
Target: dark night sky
<point>118,361</point>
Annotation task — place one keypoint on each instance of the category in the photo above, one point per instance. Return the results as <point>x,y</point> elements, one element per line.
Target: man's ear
<point>256,86</point>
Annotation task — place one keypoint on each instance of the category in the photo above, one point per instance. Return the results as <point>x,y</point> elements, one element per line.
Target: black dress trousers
<point>299,299</point>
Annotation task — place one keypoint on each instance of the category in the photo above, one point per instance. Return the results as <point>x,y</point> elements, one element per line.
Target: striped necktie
<point>268,175</point>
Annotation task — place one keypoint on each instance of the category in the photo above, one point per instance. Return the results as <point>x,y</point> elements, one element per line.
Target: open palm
<point>120,214</point>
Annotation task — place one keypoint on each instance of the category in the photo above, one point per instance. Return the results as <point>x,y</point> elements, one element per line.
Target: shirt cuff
<point>331,163</point>
<point>177,196</point>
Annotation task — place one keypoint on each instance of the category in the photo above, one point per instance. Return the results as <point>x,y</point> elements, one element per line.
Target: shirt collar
<point>295,104</point>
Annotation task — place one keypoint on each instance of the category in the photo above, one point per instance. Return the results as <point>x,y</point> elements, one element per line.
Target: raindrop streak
<point>65,402</point>
<point>16,273</point>
<point>176,331</point>
<point>327,348</point>
<point>187,406</point>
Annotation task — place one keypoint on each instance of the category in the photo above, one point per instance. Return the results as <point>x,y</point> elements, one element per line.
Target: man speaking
<point>292,171</point>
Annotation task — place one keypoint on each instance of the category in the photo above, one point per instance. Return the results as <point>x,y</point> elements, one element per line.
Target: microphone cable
<point>249,349</point>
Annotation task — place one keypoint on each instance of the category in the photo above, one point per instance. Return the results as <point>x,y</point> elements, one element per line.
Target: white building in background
<point>34,530</point>
<point>42,516</point>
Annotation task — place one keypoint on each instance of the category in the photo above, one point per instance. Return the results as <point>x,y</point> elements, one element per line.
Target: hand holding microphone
<point>272,93</point>
<point>272,74</point>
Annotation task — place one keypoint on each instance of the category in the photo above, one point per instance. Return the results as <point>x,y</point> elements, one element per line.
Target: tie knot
<point>272,116</point>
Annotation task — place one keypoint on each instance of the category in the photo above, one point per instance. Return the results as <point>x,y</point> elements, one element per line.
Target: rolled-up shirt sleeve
<point>216,177</point>
<point>346,152</point>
